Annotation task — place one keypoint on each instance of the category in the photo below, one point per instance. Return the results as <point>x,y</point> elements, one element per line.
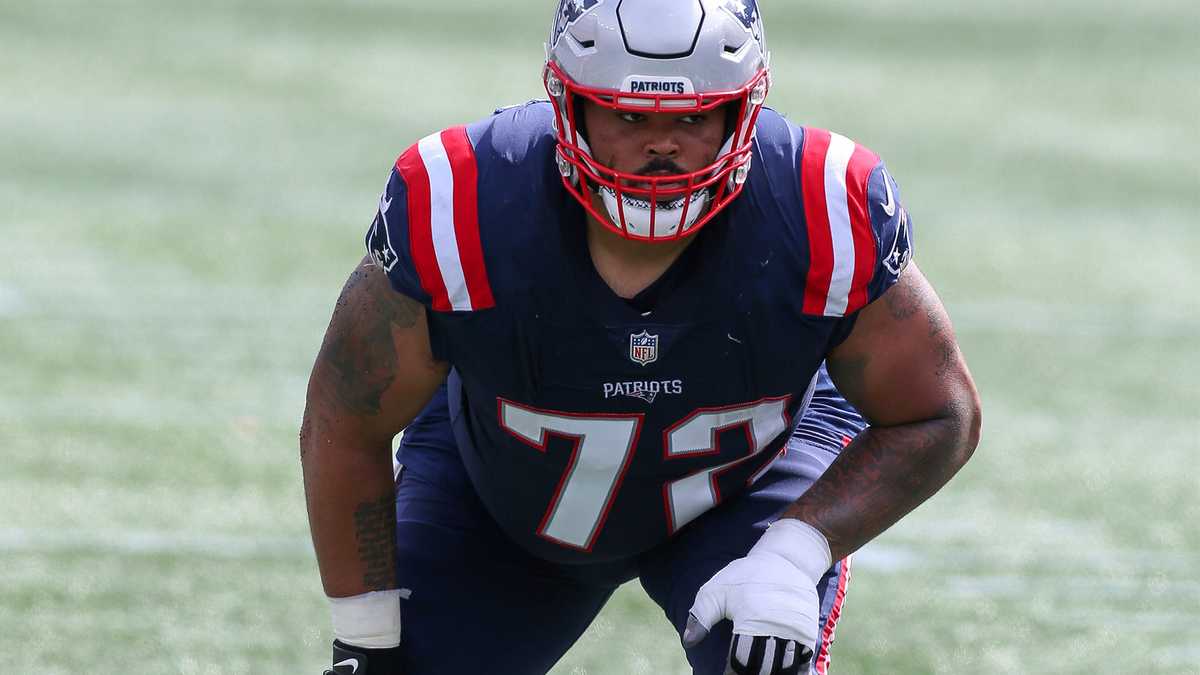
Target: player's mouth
<point>668,187</point>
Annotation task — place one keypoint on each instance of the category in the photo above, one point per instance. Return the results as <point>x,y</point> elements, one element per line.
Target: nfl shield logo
<point>643,348</point>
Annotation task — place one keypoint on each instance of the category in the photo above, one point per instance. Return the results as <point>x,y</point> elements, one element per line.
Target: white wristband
<point>370,620</point>
<point>798,543</point>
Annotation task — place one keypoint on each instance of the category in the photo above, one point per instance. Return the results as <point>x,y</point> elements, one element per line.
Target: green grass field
<point>184,187</point>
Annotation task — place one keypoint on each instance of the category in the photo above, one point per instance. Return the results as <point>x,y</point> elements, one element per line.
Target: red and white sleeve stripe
<point>821,667</point>
<point>443,221</point>
<point>834,172</point>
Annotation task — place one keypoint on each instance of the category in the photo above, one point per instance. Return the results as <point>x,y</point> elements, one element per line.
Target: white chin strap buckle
<point>668,216</point>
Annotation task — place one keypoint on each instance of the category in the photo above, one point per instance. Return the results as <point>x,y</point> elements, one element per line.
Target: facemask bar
<point>724,178</point>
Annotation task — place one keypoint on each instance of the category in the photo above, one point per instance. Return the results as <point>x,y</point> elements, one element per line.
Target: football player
<point>610,325</point>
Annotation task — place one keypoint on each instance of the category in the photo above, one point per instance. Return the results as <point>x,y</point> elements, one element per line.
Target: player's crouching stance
<point>601,322</point>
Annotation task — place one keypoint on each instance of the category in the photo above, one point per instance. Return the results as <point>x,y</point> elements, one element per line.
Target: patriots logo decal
<point>900,255</point>
<point>379,241</point>
<point>569,12</point>
<point>745,11</point>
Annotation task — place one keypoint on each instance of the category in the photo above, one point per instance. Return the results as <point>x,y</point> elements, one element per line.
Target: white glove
<point>771,597</point>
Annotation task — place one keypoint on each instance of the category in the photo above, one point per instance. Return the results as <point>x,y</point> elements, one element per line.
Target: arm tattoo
<point>375,530</point>
<point>881,476</point>
<point>305,434</point>
<point>902,301</point>
<point>359,344</point>
<point>942,336</point>
<point>887,471</point>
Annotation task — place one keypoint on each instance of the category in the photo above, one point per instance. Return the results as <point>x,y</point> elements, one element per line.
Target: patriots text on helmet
<point>653,87</point>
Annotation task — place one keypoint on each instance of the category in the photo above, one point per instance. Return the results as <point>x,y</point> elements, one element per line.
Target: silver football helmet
<point>676,56</point>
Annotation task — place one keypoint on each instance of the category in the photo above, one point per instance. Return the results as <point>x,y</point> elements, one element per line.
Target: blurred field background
<point>184,187</point>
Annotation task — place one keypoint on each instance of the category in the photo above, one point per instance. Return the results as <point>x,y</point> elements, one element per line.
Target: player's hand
<point>350,660</point>
<point>771,597</point>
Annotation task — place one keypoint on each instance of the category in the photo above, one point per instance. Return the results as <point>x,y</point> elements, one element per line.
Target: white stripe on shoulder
<point>837,162</point>
<point>441,217</point>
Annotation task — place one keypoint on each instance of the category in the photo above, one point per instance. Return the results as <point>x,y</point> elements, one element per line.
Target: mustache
<point>661,164</point>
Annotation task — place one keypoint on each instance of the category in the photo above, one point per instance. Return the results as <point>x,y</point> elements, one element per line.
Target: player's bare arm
<point>374,373</point>
<point>902,368</point>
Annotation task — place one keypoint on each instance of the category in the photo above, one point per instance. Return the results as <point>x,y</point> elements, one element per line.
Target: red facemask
<point>654,208</point>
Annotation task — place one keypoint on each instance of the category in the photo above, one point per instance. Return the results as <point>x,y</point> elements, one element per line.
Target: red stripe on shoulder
<point>420,227</point>
<point>862,163</point>
<point>816,215</point>
<point>466,216</point>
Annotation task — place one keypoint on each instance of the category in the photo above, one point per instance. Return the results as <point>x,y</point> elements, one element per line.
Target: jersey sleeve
<point>426,232</point>
<point>387,240</point>
<point>891,228</point>
<point>858,231</point>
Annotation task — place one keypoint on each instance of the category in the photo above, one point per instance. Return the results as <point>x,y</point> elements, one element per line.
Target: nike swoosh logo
<point>890,207</point>
<point>353,663</point>
<point>385,203</point>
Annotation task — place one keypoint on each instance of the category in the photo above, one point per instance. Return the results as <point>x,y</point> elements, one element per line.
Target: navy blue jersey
<point>593,427</point>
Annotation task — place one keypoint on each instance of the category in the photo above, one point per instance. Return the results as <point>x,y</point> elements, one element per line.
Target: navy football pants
<point>479,603</point>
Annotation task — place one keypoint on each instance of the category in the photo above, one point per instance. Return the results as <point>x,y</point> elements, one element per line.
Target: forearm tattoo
<point>359,346</point>
<point>881,476</point>
<point>375,531</point>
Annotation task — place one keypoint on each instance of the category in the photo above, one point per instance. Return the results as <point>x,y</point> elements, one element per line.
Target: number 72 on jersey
<point>604,447</point>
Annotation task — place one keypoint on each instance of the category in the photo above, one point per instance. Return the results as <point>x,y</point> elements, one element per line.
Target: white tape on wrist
<point>370,620</point>
<point>800,544</point>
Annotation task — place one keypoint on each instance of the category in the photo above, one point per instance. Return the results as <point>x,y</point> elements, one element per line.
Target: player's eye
<point>692,119</point>
<point>632,117</point>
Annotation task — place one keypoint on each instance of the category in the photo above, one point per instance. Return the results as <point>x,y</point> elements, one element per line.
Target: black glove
<point>350,660</point>
<point>748,654</point>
